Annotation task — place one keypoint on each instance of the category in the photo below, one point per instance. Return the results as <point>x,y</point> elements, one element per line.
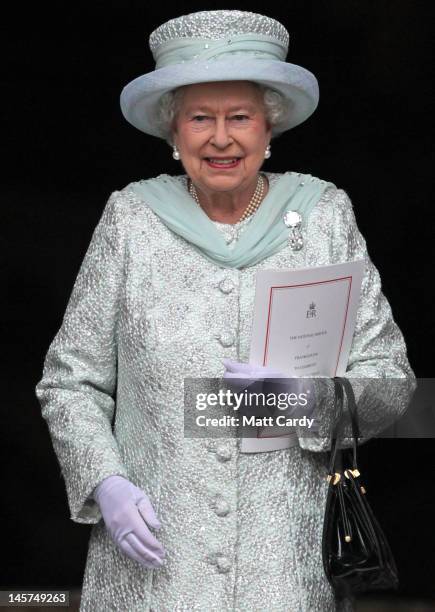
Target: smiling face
<point>223,120</point>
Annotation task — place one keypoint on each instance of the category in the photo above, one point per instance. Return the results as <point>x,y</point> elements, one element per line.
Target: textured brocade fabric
<point>216,25</point>
<point>242,532</point>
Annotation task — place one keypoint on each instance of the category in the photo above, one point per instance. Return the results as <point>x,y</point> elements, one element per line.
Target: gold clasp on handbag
<point>336,477</point>
<point>355,473</point>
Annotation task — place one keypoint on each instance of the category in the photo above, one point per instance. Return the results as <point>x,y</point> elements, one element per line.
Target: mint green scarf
<point>266,233</point>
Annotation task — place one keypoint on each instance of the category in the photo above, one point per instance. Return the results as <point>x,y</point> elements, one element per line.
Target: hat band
<point>181,50</point>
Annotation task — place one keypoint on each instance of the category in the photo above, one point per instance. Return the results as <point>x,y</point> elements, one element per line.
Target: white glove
<point>241,375</point>
<point>128,514</point>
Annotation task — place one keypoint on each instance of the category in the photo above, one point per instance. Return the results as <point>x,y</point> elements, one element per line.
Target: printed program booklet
<point>303,326</point>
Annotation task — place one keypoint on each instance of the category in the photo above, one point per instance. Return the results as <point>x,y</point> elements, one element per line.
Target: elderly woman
<point>166,292</point>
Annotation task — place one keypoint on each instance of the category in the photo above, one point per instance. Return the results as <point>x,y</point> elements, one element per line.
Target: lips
<point>222,162</point>
<point>222,159</point>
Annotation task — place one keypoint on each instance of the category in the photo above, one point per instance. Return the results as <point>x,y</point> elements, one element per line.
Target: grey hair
<point>277,108</point>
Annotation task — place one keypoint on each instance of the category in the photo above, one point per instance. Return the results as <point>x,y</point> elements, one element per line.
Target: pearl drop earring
<point>267,152</point>
<point>175,153</point>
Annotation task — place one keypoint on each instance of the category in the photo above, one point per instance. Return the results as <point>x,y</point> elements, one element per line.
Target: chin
<point>223,182</point>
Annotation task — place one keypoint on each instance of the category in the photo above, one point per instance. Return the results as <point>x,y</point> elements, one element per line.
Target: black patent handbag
<point>356,555</point>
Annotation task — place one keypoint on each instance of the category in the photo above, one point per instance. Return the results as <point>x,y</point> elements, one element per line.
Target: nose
<point>221,137</point>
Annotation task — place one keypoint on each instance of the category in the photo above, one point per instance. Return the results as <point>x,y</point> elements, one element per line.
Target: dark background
<point>67,147</point>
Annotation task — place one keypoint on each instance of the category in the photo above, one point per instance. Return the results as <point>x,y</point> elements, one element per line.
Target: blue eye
<point>196,117</point>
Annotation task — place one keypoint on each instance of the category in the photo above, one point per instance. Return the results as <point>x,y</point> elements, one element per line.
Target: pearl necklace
<point>253,205</point>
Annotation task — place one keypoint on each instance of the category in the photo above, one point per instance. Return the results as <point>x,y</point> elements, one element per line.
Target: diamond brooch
<point>293,220</point>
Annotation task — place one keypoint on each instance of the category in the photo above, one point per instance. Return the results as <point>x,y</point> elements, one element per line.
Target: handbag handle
<point>342,385</point>
<point>337,426</point>
<point>351,406</point>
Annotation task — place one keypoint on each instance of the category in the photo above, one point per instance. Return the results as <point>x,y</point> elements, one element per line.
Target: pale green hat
<point>219,46</point>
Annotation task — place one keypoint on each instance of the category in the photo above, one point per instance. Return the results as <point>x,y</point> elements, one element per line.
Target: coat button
<point>223,453</point>
<point>223,564</point>
<point>227,338</point>
<point>221,506</point>
<point>226,285</point>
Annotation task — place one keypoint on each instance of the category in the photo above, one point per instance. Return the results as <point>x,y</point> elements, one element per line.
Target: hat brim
<point>140,98</point>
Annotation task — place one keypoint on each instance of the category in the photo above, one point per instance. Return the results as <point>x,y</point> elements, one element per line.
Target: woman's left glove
<point>248,374</point>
